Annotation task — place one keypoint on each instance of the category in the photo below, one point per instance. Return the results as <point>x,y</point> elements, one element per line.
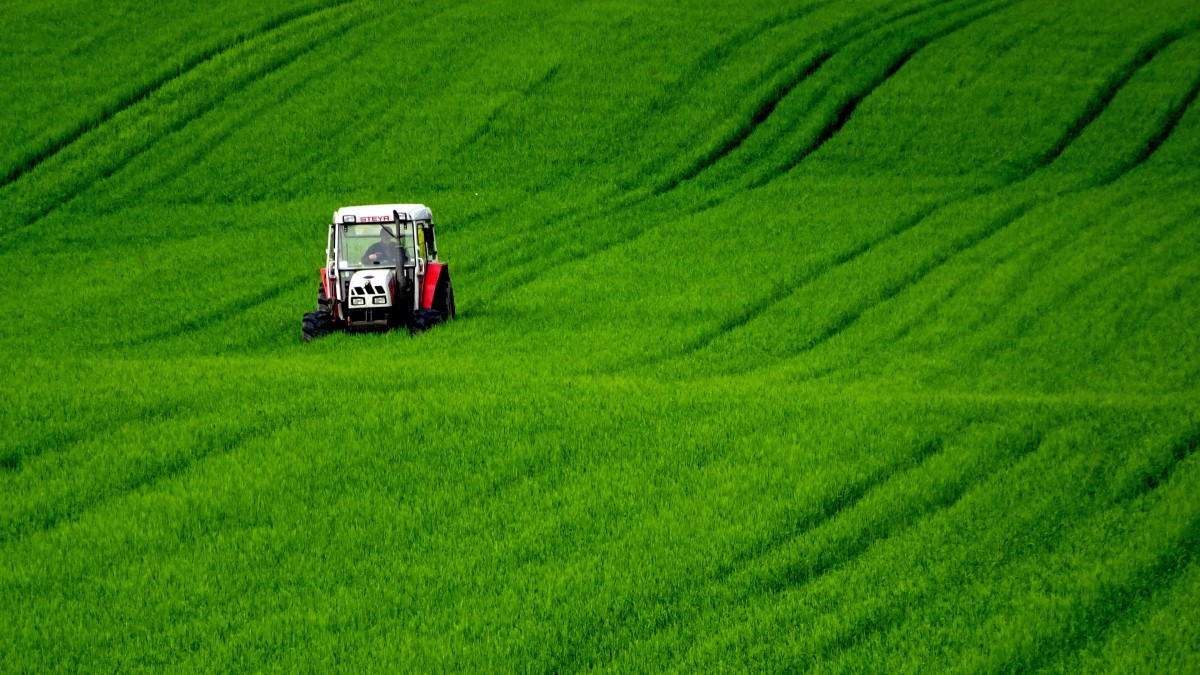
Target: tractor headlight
<point>379,300</point>
<point>357,301</point>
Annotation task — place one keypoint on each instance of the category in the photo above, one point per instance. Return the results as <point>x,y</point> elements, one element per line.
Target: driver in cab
<point>384,251</point>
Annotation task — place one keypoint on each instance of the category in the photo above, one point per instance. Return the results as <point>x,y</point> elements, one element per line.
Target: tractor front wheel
<point>317,324</point>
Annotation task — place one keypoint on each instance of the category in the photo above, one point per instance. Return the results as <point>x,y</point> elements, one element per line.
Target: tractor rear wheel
<point>322,299</point>
<point>442,309</point>
<point>447,309</point>
<point>443,297</point>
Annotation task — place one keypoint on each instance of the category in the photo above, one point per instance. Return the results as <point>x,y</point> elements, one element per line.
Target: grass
<point>824,337</point>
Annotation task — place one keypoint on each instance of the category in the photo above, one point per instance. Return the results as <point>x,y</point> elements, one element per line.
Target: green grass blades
<point>831,336</point>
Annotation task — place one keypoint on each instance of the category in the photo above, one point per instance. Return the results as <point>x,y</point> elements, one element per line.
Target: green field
<point>843,336</point>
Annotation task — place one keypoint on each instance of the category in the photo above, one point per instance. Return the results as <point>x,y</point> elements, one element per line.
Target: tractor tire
<point>443,297</point>
<point>447,309</point>
<point>320,322</point>
<point>316,324</point>
<point>423,320</point>
<point>442,310</point>
<point>322,299</point>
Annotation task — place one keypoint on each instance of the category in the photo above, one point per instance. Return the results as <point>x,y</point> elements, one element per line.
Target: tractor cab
<point>381,272</point>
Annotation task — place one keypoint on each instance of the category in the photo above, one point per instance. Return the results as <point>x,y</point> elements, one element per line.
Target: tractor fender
<point>433,274</point>
<point>325,283</point>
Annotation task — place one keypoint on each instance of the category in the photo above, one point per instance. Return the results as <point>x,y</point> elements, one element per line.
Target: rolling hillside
<point>842,336</point>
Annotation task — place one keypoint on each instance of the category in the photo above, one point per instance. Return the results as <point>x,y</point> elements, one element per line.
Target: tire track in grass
<point>1131,325</point>
<point>178,164</point>
<point>1059,298</point>
<point>809,65</point>
<point>739,136</point>
<point>216,316</point>
<point>214,444</point>
<point>843,113</point>
<point>768,105</point>
<point>1009,216</point>
<point>1179,454</point>
<point>784,289</point>
<point>1119,603</point>
<point>1171,121</point>
<point>838,501</point>
<point>889,617</point>
<point>525,94</point>
<point>579,654</point>
<point>981,354</point>
<point>1103,98</point>
<point>792,577</point>
<point>14,456</point>
<point>176,116</point>
<point>711,58</point>
<point>1013,215</point>
<point>708,62</point>
<point>59,439</point>
<point>1117,598</point>
<point>796,575</point>
<point>146,90</point>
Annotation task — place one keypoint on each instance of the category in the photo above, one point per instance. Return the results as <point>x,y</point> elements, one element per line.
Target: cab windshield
<point>366,245</point>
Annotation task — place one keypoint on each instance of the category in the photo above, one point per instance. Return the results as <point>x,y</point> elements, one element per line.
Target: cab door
<point>420,267</point>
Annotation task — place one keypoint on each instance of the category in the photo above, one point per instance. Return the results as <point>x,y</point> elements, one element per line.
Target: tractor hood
<point>371,289</point>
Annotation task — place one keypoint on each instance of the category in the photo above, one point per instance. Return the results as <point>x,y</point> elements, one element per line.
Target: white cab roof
<point>381,213</point>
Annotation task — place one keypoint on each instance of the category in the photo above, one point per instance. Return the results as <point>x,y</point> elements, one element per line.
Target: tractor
<point>381,272</point>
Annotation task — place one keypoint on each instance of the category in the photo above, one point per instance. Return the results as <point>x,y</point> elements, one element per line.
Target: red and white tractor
<point>381,272</point>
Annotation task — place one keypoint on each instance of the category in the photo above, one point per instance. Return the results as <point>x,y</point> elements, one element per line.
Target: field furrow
<point>831,337</point>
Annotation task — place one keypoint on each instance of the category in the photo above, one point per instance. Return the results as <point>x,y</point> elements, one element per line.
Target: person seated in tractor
<point>384,251</point>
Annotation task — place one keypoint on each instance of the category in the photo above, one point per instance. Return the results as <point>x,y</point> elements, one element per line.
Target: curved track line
<point>980,353</point>
<point>143,92</point>
<point>1013,215</point>
<point>797,575</point>
<point>765,107</point>
<point>1114,602</point>
<point>1171,121</point>
<point>787,288</point>
<point>836,503</point>
<point>1185,448</point>
<point>843,114</point>
<point>832,127</point>
<point>15,456</point>
<point>710,58</point>
<point>212,446</point>
<point>1103,98</point>
<point>1025,320</point>
<point>1110,90</point>
<point>835,562</point>
<point>858,29</point>
<point>843,501</point>
<point>523,95</point>
<point>121,155</point>
<point>179,164</point>
<point>213,317</point>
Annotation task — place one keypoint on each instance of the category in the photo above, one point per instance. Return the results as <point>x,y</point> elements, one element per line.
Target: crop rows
<point>835,336</point>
